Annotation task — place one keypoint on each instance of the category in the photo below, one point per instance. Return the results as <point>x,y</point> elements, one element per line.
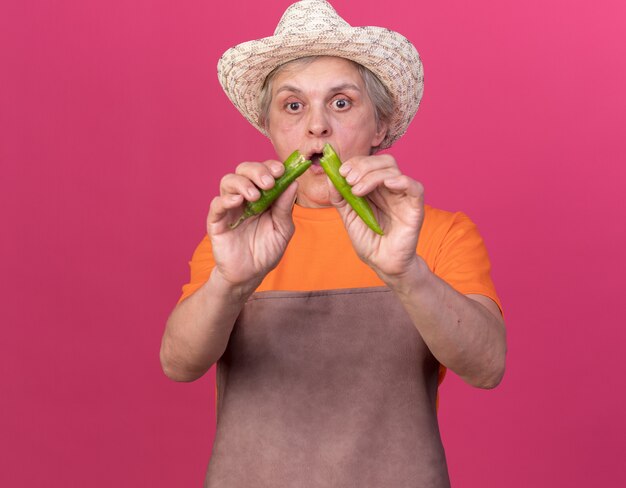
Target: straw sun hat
<point>313,27</point>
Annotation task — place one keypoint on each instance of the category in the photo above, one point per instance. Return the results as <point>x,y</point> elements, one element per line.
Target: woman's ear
<point>380,134</point>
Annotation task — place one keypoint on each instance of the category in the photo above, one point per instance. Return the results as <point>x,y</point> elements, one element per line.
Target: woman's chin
<point>316,196</point>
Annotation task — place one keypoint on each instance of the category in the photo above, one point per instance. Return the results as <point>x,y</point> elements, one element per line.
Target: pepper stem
<point>234,225</point>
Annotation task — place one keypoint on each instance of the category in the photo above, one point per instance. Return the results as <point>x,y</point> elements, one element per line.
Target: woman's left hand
<point>398,204</point>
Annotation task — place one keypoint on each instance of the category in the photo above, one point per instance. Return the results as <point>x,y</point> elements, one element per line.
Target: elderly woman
<point>331,340</point>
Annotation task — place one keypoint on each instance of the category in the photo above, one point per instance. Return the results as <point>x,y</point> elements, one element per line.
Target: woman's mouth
<point>315,168</point>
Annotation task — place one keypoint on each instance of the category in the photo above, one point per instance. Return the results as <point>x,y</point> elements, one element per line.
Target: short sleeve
<point>200,268</point>
<point>462,260</point>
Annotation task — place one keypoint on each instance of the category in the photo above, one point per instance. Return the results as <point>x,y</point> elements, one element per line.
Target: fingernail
<point>344,169</point>
<point>357,188</point>
<point>267,180</point>
<point>253,193</point>
<point>352,177</point>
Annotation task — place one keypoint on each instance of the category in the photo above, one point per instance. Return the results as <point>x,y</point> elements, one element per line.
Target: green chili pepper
<point>330,163</point>
<point>295,165</point>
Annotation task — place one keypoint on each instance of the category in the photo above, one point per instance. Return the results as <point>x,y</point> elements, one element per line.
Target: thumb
<point>334,196</point>
<point>340,203</point>
<point>281,208</point>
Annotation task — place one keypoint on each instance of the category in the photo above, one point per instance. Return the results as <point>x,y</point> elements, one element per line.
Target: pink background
<point>114,133</point>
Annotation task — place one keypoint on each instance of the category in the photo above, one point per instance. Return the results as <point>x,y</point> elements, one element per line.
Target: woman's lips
<point>315,168</point>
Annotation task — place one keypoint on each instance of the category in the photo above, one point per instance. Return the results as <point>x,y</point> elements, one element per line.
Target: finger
<point>221,206</point>
<point>404,184</point>
<point>276,167</point>
<point>282,207</point>
<point>261,174</point>
<point>334,196</point>
<point>356,167</point>
<point>233,184</point>
<point>345,210</point>
<point>372,180</point>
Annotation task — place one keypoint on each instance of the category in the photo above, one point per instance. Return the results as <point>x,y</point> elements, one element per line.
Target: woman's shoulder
<point>438,220</point>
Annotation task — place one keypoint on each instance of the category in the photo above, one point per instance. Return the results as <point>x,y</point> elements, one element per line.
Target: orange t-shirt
<point>320,256</point>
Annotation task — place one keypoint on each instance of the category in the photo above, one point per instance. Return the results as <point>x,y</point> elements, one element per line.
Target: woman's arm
<point>465,333</point>
<point>198,329</point>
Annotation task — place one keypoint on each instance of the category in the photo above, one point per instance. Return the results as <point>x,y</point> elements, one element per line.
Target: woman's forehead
<point>324,72</point>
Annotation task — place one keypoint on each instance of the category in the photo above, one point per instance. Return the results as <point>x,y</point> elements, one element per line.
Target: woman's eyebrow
<point>289,88</point>
<point>345,86</point>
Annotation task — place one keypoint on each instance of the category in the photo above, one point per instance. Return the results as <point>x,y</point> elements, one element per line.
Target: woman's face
<point>319,102</point>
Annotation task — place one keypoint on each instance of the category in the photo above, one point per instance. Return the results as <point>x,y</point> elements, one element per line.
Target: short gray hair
<point>377,92</point>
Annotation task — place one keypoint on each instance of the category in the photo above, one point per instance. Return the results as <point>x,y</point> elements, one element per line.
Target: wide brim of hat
<point>389,55</point>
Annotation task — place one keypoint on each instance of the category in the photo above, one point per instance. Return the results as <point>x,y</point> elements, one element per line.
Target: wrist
<point>414,276</point>
<point>226,289</point>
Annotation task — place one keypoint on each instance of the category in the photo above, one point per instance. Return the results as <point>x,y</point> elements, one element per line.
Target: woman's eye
<point>341,103</point>
<point>293,106</point>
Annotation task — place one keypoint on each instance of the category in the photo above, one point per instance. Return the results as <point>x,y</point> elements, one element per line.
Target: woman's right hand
<point>244,255</point>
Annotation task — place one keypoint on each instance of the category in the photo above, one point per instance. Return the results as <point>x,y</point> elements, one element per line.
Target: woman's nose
<point>318,123</point>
